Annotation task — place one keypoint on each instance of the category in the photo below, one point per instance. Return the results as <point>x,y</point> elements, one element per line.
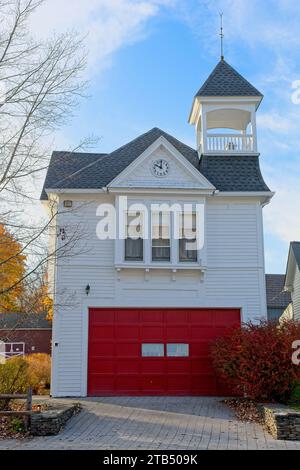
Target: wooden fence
<point>25,413</point>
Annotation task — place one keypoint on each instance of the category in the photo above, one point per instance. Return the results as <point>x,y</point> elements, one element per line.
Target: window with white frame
<point>178,350</point>
<point>188,238</point>
<point>134,243</point>
<point>153,350</point>
<point>161,242</point>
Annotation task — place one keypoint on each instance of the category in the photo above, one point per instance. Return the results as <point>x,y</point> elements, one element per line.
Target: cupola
<point>224,113</point>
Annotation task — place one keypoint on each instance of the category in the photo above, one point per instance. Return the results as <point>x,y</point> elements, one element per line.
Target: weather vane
<point>222,37</point>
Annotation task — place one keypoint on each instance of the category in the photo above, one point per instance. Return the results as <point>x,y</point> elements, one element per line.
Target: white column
<point>204,129</point>
<point>254,131</point>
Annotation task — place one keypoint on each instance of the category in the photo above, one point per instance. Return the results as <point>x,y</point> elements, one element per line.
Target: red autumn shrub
<point>256,360</point>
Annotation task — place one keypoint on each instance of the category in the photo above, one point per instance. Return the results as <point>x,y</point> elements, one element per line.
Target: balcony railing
<point>230,143</point>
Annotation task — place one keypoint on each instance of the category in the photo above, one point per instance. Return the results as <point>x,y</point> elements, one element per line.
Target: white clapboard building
<point>137,315</point>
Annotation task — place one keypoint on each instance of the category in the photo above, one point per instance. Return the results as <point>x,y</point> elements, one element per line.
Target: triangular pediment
<point>181,174</point>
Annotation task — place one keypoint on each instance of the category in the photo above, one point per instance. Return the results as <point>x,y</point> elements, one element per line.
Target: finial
<point>222,37</point>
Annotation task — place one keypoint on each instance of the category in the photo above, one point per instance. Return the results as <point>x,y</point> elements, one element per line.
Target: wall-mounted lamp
<point>62,234</point>
<point>68,204</point>
<point>88,289</point>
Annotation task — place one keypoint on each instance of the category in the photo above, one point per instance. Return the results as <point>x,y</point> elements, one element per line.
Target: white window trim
<point>170,240</point>
<point>147,263</point>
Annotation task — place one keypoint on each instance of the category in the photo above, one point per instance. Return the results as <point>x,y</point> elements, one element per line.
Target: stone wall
<point>51,421</point>
<point>282,422</point>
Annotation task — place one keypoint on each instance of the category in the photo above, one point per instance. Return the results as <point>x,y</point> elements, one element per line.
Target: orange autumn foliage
<point>12,269</point>
<point>39,301</point>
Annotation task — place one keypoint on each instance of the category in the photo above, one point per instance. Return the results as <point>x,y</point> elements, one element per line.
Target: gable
<point>293,265</point>
<point>80,171</point>
<point>181,173</point>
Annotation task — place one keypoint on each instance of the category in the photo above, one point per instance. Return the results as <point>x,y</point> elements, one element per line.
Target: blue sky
<point>148,58</point>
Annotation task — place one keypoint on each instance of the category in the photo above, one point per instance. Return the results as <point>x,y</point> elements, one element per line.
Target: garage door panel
<point>103,332</point>
<point>127,382</point>
<point>97,348</point>
<point>151,316</point>
<point>126,331</point>
<point>151,383</point>
<point>151,332</point>
<point>203,333</point>
<point>127,366</point>
<point>176,316</point>
<point>232,317</point>
<point>200,318</point>
<point>126,316</point>
<point>102,365</point>
<point>106,316</point>
<point>116,365</point>
<point>205,382</point>
<point>202,365</point>
<point>179,333</point>
<point>103,383</point>
<point>179,382</point>
<point>201,348</point>
<point>127,350</point>
<point>152,366</point>
<point>179,366</point>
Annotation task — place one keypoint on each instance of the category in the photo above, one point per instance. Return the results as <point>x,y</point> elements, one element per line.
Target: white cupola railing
<point>229,143</point>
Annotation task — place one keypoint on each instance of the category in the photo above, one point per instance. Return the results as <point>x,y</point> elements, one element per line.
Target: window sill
<point>165,266</point>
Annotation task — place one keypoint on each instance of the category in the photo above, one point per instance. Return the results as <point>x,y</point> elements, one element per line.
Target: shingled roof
<point>226,81</point>
<point>276,296</point>
<point>95,171</point>
<point>22,321</point>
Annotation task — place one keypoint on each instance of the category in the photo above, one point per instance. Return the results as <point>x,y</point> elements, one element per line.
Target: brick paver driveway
<point>155,423</point>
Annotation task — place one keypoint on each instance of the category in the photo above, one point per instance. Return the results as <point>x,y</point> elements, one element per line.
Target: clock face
<point>160,168</point>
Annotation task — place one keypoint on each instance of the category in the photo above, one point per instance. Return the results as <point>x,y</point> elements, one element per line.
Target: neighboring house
<point>277,298</point>
<point>292,280</point>
<point>24,334</point>
<point>147,306</point>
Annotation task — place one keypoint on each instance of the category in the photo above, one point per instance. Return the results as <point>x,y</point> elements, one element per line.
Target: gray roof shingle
<point>14,321</point>
<point>226,81</point>
<point>64,164</point>
<point>276,296</point>
<point>95,171</point>
<point>233,173</point>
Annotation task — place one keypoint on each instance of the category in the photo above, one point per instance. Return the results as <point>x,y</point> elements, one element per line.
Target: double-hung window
<point>161,243</point>
<point>134,242</point>
<point>188,238</point>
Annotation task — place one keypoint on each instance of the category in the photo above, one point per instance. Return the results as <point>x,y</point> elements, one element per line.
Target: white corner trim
<point>260,194</point>
<point>175,153</point>
<point>290,271</point>
<point>162,191</point>
<point>56,191</point>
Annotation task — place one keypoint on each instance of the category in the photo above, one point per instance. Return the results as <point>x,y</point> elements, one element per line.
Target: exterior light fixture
<point>62,234</point>
<point>68,204</point>
<point>88,289</point>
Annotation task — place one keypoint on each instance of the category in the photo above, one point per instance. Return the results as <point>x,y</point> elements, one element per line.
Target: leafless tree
<point>41,85</point>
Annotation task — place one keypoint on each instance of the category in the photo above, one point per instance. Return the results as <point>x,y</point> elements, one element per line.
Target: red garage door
<point>155,352</point>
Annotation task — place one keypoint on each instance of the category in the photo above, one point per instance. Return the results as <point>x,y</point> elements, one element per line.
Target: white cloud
<point>281,216</point>
<point>108,24</point>
<point>275,122</point>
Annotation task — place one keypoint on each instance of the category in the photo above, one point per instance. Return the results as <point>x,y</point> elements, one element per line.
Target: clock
<point>160,168</point>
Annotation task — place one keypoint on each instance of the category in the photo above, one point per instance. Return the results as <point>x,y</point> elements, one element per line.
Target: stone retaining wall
<point>282,422</point>
<point>50,422</point>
